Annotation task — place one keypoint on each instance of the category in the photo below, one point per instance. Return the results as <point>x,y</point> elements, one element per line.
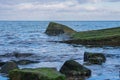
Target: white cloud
<point>65,9</point>
<point>24,6</point>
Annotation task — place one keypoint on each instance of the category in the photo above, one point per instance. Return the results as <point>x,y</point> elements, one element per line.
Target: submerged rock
<point>25,62</point>
<point>8,66</point>
<point>94,58</point>
<point>73,69</point>
<point>36,74</point>
<point>2,63</point>
<point>57,29</point>
<point>17,55</point>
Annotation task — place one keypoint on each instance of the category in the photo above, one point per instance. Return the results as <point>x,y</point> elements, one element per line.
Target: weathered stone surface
<point>73,69</point>
<point>94,58</point>
<point>57,29</point>
<point>8,66</point>
<point>36,74</point>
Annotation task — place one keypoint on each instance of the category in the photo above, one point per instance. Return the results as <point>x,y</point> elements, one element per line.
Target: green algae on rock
<point>101,37</point>
<point>75,70</point>
<point>36,74</point>
<point>57,29</point>
<point>94,58</point>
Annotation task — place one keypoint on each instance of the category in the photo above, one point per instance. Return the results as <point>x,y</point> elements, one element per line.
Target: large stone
<point>94,58</point>
<point>8,66</point>
<point>102,37</point>
<point>57,29</point>
<point>73,69</point>
<point>36,74</point>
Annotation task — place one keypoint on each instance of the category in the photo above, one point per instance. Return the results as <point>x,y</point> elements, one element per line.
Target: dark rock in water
<point>94,58</point>
<point>8,67</point>
<point>2,63</point>
<point>36,74</point>
<point>73,69</point>
<point>17,55</point>
<point>25,62</point>
<point>57,29</point>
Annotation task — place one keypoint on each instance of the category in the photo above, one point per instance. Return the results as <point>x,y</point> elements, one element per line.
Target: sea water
<point>29,37</point>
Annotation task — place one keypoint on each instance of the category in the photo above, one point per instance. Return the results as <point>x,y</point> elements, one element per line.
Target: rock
<point>102,37</point>
<point>57,29</point>
<point>25,62</point>
<point>17,55</point>
<point>36,74</point>
<point>73,69</point>
<point>2,63</point>
<point>94,58</point>
<point>8,66</point>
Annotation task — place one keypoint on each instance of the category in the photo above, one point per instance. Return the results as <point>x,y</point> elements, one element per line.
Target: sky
<point>61,10</point>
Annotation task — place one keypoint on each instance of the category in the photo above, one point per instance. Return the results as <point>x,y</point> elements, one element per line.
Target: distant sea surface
<point>29,37</point>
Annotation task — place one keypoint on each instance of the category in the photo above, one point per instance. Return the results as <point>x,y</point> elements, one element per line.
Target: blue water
<point>29,37</point>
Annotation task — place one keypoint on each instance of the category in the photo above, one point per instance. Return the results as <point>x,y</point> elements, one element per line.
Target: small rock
<point>17,55</point>
<point>2,63</point>
<point>25,62</point>
<point>8,66</point>
<point>94,58</point>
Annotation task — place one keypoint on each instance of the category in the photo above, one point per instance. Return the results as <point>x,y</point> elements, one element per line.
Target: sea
<point>30,37</point>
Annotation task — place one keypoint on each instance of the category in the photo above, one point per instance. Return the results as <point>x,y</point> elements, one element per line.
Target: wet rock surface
<point>8,66</point>
<point>74,70</point>
<point>57,29</point>
<point>94,58</point>
<point>2,63</point>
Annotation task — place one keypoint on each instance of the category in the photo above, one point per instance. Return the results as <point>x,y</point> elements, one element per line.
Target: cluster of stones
<point>71,69</point>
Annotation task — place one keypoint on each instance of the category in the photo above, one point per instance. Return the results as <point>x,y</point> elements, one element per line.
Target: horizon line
<point>59,20</point>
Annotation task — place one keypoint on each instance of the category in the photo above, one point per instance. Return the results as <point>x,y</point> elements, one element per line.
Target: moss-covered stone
<point>94,58</point>
<point>109,36</point>
<point>73,69</point>
<point>57,29</point>
<point>36,74</point>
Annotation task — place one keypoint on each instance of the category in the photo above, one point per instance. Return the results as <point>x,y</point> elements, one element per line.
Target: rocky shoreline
<point>106,37</point>
<point>71,69</point>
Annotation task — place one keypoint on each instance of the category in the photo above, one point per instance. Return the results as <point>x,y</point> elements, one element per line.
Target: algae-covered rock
<point>73,69</point>
<point>94,58</point>
<point>57,29</point>
<point>8,66</point>
<point>101,37</point>
<point>36,74</point>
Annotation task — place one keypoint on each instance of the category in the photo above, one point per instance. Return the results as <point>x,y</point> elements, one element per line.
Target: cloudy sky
<point>60,10</point>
